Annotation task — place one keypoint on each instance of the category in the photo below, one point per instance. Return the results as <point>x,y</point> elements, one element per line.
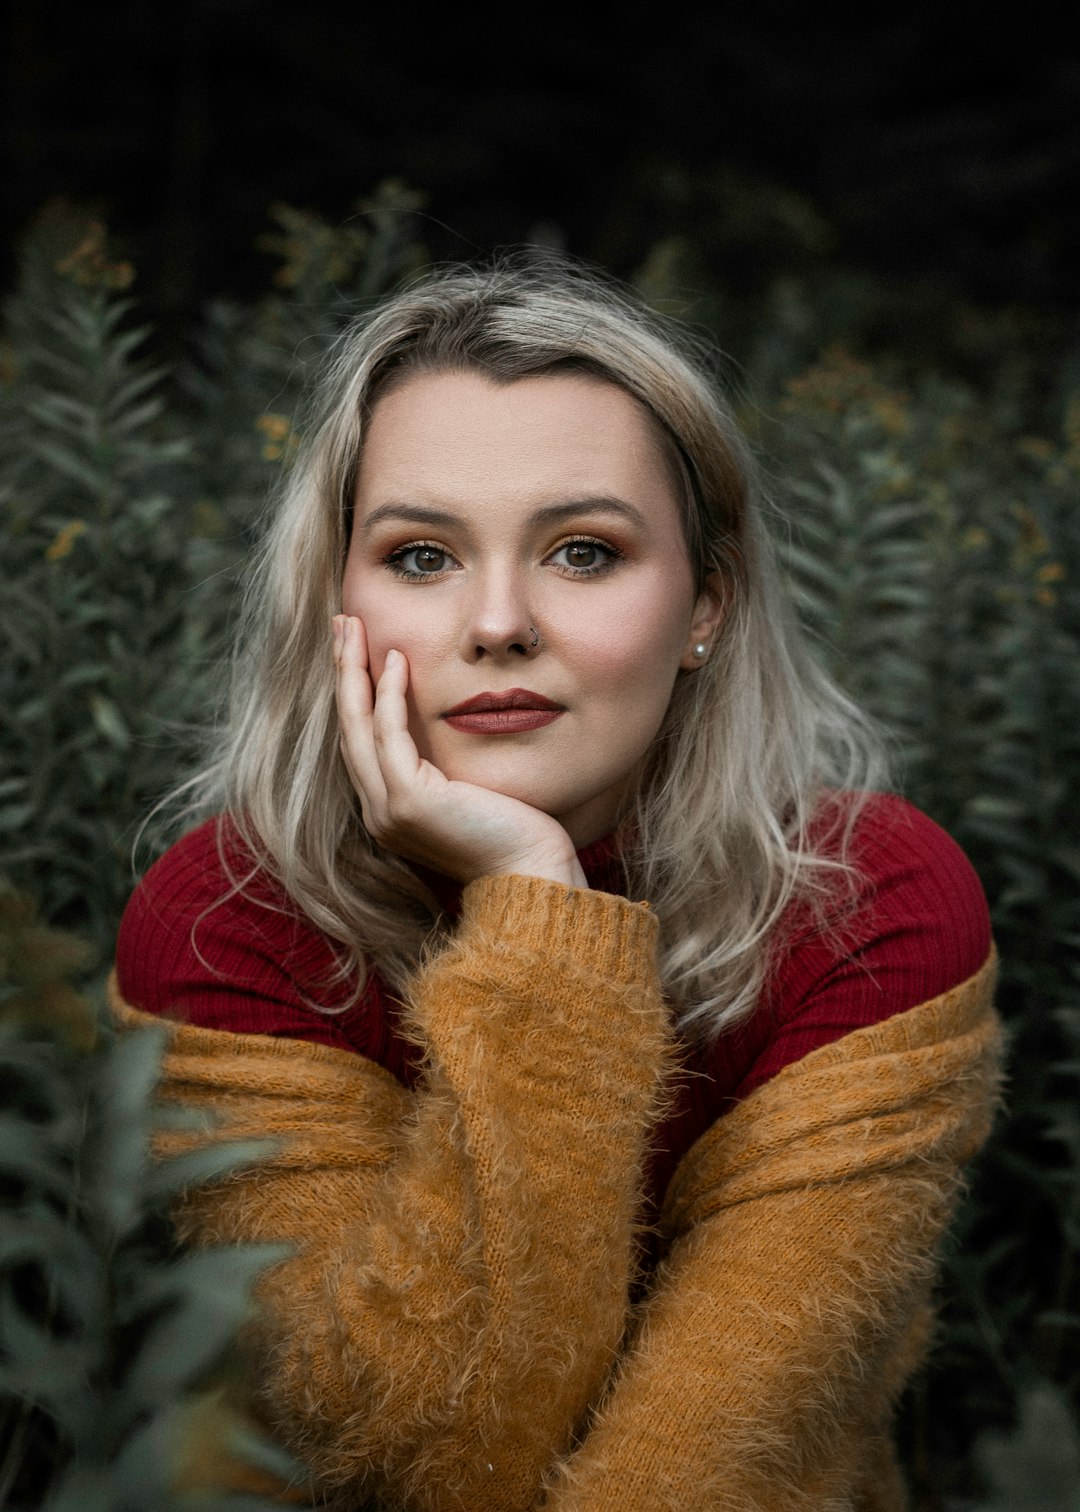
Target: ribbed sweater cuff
<point>601,932</point>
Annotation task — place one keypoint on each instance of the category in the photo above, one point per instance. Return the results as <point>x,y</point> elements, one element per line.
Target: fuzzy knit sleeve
<point>792,1304</point>
<point>462,1252</point>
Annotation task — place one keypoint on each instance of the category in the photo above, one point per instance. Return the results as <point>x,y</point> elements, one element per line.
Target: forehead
<point>461,431</point>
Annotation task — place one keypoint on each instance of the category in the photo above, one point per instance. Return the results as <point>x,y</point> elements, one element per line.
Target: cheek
<point>633,647</point>
<point>392,621</point>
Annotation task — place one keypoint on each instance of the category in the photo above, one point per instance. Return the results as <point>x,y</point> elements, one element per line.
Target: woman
<point>592,1199</point>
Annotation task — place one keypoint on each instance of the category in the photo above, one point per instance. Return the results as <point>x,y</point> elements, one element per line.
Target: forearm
<point>791,1307</point>
<point>759,1374</point>
<point>457,1301</point>
<point>547,1036</point>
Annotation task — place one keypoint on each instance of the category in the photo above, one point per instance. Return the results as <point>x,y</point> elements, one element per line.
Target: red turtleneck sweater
<point>191,949</point>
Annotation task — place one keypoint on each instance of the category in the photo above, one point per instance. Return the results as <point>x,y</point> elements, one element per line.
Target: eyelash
<point>614,555</point>
<point>395,559</point>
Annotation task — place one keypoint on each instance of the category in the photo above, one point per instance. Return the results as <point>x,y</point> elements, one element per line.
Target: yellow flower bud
<point>64,540</point>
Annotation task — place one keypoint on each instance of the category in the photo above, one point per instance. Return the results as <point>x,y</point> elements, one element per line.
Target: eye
<point>421,560</point>
<point>584,557</point>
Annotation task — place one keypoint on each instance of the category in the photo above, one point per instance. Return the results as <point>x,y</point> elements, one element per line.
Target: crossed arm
<point>464,1252</point>
<point>792,1306</point>
<point>451,1330</point>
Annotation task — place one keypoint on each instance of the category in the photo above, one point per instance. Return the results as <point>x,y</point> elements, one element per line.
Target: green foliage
<point>93,610</point>
<point>929,527</point>
<point>127,505</point>
<point>934,552</point>
<point>110,1340</point>
<point>1036,1467</point>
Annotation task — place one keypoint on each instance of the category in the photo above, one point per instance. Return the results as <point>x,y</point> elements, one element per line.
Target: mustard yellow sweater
<point>455,1328</point>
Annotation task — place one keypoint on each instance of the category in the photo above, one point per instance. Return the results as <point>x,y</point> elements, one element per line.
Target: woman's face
<point>524,539</point>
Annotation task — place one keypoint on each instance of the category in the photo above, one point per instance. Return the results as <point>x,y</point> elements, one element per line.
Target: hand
<point>408,805</point>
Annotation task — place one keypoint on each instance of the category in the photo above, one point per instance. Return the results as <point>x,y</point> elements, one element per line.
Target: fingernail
<point>391,657</point>
<point>338,629</point>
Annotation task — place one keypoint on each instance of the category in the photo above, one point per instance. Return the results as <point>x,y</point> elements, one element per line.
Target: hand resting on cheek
<point>409,807</point>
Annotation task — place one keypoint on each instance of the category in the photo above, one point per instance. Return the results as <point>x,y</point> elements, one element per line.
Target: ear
<point>710,611</point>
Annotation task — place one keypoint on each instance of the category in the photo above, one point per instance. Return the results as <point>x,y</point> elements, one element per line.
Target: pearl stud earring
<point>700,649</point>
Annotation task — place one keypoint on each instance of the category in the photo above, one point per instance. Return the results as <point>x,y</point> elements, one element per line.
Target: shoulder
<point>918,923</point>
<point>208,938</point>
<point>207,875</point>
<point>889,827</point>
<point>919,927</point>
<point>189,879</point>
<point>917,886</point>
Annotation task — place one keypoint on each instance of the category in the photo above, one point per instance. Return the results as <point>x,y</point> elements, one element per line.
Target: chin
<point>550,797</point>
<point>537,795</point>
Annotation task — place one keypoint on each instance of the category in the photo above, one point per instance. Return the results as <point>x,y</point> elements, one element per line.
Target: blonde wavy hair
<point>750,793</point>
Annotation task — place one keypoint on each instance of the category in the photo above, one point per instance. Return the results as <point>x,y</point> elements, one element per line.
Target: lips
<point>512,698</point>
<point>508,713</point>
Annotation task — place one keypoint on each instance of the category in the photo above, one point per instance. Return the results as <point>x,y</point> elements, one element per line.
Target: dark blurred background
<point>920,144</point>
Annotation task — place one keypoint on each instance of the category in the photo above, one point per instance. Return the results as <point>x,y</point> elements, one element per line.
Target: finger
<point>355,703</point>
<point>355,697</point>
<point>396,750</point>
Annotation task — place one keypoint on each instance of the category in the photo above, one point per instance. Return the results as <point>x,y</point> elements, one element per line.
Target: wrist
<point>564,869</point>
<point>595,933</point>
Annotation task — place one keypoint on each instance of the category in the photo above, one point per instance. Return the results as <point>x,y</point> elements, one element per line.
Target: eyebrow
<point>550,514</point>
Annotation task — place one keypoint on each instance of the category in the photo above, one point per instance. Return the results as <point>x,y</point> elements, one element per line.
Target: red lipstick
<point>508,713</point>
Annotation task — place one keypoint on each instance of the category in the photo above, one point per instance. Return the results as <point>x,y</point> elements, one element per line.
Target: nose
<point>500,624</point>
